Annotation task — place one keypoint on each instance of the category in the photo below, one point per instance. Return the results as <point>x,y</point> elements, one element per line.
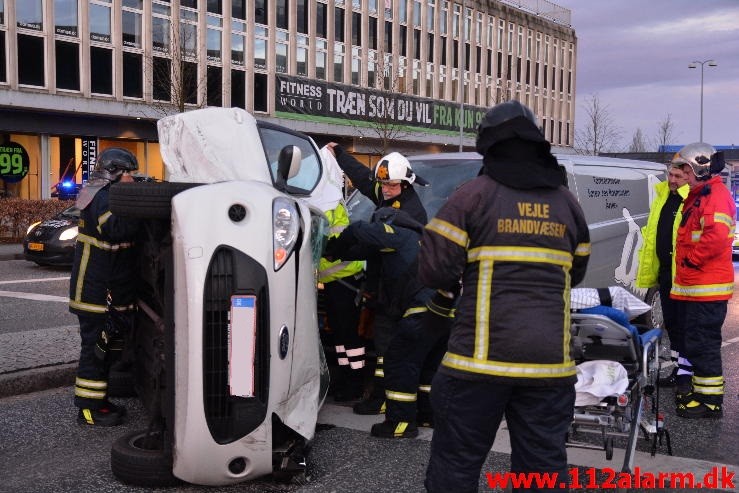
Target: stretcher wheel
<point>609,448</point>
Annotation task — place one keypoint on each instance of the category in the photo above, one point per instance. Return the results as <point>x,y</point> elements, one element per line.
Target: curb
<point>35,379</point>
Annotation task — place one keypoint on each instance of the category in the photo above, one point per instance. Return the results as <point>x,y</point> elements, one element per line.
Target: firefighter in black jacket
<point>102,276</point>
<point>393,236</point>
<point>519,241</point>
<point>389,185</point>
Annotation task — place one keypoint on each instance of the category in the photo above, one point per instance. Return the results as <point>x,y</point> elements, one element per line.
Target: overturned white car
<point>226,350</point>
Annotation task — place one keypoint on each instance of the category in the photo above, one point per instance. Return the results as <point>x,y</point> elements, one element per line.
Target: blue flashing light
<point>67,184</point>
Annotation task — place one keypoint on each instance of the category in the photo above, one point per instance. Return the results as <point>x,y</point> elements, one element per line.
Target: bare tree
<point>638,142</point>
<point>384,127</point>
<point>600,133</point>
<point>665,131</point>
<point>174,79</point>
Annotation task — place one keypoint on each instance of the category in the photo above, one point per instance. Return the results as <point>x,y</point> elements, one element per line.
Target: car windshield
<point>443,175</point>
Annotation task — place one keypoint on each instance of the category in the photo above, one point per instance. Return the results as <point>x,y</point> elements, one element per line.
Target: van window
<point>310,166</point>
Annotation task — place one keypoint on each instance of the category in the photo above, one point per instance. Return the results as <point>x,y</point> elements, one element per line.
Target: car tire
<point>653,318</point>
<point>139,459</point>
<point>145,200</point>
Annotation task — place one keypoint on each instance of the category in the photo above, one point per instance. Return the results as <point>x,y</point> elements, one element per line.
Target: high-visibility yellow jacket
<point>648,268</point>
<point>328,270</point>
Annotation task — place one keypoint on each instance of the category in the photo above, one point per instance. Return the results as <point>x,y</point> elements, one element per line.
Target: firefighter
<point>518,239</point>
<point>389,185</point>
<point>103,276</point>
<point>393,237</point>
<point>704,276</point>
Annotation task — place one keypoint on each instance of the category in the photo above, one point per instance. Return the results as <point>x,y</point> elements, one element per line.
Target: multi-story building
<point>78,76</point>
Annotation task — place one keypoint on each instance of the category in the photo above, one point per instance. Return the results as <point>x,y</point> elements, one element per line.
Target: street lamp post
<point>694,64</point>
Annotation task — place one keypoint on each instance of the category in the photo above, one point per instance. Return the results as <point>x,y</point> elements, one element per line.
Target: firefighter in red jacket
<point>519,240</point>
<point>704,275</point>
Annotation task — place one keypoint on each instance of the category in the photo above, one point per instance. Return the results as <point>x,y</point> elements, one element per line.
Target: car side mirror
<point>288,165</point>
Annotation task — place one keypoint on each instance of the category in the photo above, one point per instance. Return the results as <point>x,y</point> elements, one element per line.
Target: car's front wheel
<point>140,459</point>
<point>146,200</point>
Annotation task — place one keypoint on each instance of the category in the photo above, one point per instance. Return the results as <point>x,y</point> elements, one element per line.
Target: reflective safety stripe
<point>704,290</point>
<point>89,394</point>
<point>380,360</point>
<point>83,269</point>
<point>389,229</point>
<point>708,380</point>
<point>356,365</point>
<point>449,231</point>
<point>415,311</point>
<point>582,249</point>
<point>343,361</point>
<point>520,254</point>
<point>508,369</point>
<point>333,269</point>
<point>387,250</point>
<point>722,218</point>
<point>103,245</point>
<point>91,384</point>
<point>336,230</point>
<point>482,309</point>
<point>424,388</point>
<point>379,373</point>
<point>102,220</point>
<point>400,396</point>
<point>355,352</point>
<point>92,308</point>
<point>716,390</point>
<point>340,349</point>
<point>440,310</point>
<point>400,429</point>
<point>88,416</point>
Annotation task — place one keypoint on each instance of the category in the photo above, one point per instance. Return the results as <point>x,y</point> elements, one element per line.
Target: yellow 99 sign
<point>13,162</point>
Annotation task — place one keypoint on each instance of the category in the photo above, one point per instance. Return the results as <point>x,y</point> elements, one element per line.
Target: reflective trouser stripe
<point>708,385</point>
<point>90,389</point>
<point>392,395</point>
<point>424,388</point>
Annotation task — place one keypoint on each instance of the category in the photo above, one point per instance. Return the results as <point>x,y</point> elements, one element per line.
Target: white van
<point>615,195</point>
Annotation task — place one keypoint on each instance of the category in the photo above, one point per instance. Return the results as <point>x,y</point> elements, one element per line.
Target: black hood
<point>523,164</point>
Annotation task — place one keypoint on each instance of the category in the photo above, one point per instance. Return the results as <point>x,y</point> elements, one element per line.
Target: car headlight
<point>69,233</point>
<point>30,228</point>
<point>285,228</point>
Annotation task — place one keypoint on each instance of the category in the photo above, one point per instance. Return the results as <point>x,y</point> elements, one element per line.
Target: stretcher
<point>629,413</point>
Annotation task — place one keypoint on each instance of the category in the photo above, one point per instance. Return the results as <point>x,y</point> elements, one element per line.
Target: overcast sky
<point>634,54</point>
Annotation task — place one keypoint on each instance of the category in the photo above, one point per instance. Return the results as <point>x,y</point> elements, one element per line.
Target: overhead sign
<point>14,162</point>
<point>308,99</point>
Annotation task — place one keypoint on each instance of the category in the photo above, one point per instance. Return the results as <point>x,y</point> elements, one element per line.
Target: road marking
<point>21,281</point>
<point>34,296</point>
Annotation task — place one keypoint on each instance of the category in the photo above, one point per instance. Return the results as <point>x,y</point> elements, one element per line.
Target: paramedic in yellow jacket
<point>657,265</point>
<point>342,282</point>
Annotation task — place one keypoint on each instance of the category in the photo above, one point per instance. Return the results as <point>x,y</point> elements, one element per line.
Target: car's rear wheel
<point>146,200</point>
<point>139,459</point>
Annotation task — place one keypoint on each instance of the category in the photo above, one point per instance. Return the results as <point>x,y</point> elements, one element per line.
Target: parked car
<point>226,349</point>
<point>51,241</point>
<point>615,195</point>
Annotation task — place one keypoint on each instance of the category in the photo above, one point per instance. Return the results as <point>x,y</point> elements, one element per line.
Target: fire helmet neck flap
<point>506,121</point>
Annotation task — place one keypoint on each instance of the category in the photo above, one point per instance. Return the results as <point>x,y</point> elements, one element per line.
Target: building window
<point>160,37</point>
<point>321,20</point>
<point>31,60</point>
<point>338,62</point>
<point>29,14</point>
<point>238,43</point>
<point>356,28</point>
<point>67,65</point>
<point>417,44</point>
<point>188,32</point>
<point>321,59</point>
<point>387,71</point>
<point>238,89</point>
<point>430,77</point>
<point>356,65</point>
<point>301,20</point>
<point>260,11</point>
<point>430,51</point>
<point>99,22</point>
<point>3,58</point>
<point>65,17</point>
<point>403,11</point>
<point>430,9</point>
<point>444,18</point>
<point>214,44</point>
<point>372,69</point>
<point>101,70</point>
<point>260,47</point>
<point>260,92</point>
<point>372,33</point>
<point>301,54</point>
<point>238,9</point>
<point>215,86</point>
<point>282,10</point>
<point>281,45</point>
<point>190,82</point>
<point>133,75</point>
<point>131,29</point>
<point>416,13</point>
<point>339,24</point>
<point>416,77</point>
<point>388,36</point>
<point>215,7</point>
<point>161,79</point>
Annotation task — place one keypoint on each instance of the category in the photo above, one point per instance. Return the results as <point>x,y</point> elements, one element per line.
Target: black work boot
<point>375,402</point>
<point>684,387</point>
<point>108,415</point>
<point>394,429</point>
<point>696,410</point>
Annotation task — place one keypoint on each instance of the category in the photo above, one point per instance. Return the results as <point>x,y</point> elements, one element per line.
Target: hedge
<point>17,214</point>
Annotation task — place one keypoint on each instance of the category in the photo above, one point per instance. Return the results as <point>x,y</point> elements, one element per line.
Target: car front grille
<point>43,233</point>
<point>230,273</point>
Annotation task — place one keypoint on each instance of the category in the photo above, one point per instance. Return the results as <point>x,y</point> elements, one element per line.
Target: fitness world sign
<point>308,99</point>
